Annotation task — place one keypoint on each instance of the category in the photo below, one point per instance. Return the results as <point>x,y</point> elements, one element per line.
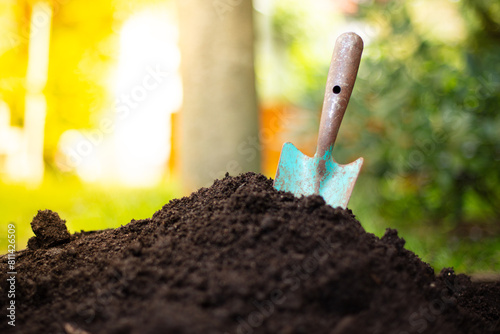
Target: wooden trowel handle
<point>341,78</point>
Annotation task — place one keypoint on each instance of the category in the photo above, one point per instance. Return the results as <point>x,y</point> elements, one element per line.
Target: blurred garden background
<point>110,108</point>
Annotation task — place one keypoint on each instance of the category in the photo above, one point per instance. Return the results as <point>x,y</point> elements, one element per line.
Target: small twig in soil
<point>70,329</point>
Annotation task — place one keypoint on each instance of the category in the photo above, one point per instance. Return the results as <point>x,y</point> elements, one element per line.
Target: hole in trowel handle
<point>336,89</point>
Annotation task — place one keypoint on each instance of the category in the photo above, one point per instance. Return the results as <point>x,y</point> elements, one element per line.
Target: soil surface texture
<point>238,257</point>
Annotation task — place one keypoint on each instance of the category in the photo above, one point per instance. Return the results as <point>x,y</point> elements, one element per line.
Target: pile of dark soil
<point>238,257</point>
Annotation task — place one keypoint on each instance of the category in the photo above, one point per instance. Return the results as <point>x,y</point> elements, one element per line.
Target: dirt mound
<point>241,257</point>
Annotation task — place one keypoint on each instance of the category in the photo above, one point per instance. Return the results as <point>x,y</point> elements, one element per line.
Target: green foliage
<point>424,115</point>
<point>433,114</point>
<point>299,63</point>
<point>424,111</point>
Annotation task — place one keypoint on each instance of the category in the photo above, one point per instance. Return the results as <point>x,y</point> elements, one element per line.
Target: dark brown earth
<point>50,230</point>
<point>238,257</point>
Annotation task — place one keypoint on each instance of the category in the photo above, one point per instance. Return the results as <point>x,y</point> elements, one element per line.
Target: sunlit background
<point>99,106</point>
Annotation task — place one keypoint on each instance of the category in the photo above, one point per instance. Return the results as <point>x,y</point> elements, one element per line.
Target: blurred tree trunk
<point>219,120</point>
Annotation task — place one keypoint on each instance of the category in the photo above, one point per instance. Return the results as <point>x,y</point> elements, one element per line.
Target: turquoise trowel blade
<point>300,175</point>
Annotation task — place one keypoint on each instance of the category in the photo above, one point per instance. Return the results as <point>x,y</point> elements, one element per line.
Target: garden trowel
<point>303,175</point>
